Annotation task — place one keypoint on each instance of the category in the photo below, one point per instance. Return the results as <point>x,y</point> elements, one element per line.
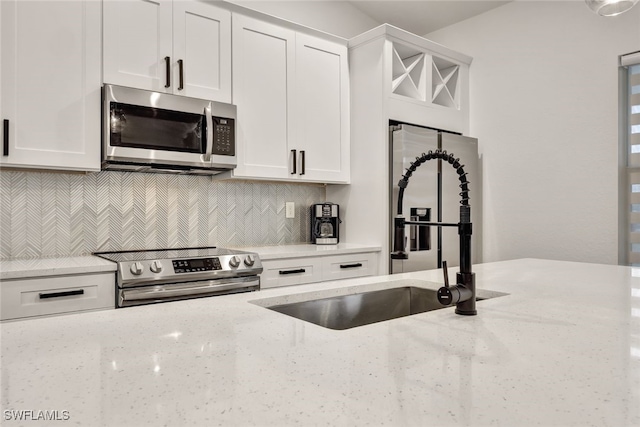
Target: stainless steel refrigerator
<point>433,194</point>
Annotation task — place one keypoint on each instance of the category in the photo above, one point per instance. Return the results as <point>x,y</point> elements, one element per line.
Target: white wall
<point>335,17</point>
<point>544,105</point>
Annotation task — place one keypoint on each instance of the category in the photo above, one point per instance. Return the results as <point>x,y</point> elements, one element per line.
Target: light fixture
<point>610,7</point>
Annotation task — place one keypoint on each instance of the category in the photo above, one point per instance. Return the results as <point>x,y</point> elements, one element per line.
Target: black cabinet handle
<point>181,74</point>
<point>359,264</point>
<point>295,161</point>
<point>297,271</point>
<point>167,63</point>
<point>62,294</point>
<point>303,165</point>
<point>5,142</point>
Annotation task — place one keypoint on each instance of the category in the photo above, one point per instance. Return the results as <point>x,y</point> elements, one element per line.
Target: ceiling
<point>423,17</point>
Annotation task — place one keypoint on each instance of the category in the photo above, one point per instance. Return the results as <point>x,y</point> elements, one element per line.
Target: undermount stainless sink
<point>350,311</point>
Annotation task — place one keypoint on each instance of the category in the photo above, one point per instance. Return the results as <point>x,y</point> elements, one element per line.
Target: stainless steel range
<point>162,275</point>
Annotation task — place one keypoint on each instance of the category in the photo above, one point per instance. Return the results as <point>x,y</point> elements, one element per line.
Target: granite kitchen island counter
<point>563,348</point>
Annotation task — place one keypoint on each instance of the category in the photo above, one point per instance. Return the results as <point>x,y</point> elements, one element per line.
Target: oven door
<point>156,128</point>
<point>186,290</point>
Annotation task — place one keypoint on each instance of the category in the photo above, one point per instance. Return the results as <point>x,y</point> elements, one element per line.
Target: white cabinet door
<point>137,40</point>
<point>322,110</point>
<point>202,51</point>
<point>287,272</point>
<point>181,47</point>
<point>348,266</point>
<point>57,294</point>
<point>50,79</point>
<point>292,93</point>
<point>263,67</point>
<point>299,271</point>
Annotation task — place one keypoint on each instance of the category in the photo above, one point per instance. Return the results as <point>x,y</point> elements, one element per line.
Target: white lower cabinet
<point>291,271</point>
<point>348,266</point>
<point>43,296</point>
<point>299,271</point>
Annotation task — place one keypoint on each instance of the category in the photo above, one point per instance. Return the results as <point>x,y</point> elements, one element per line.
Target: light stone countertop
<point>307,250</point>
<point>43,267</point>
<point>562,349</point>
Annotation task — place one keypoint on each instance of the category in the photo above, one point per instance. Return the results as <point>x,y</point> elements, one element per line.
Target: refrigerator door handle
<point>412,234</point>
<point>420,236</point>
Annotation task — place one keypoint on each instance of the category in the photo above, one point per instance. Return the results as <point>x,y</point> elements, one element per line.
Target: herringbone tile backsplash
<point>57,214</point>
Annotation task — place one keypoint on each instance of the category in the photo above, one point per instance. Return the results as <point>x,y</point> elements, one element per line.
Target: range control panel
<point>167,266</point>
<point>224,136</point>
<point>198,264</point>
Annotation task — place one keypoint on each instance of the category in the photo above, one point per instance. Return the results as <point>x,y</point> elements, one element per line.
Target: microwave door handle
<point>209,137</point>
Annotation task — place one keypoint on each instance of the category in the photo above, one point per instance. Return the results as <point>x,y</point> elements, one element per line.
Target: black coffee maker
<point>325,222</point>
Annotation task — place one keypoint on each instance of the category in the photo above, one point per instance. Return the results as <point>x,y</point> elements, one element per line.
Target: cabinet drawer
<point>296,271</point>
<point>55,295</point>
<point>348,266</point>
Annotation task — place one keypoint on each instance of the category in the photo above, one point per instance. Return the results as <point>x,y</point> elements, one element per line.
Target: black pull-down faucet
<point>463,293</point>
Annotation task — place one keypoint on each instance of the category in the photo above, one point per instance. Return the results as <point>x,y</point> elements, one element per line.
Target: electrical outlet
<point>290,210</point>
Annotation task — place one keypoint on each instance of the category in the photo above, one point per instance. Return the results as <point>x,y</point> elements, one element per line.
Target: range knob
<point>249,260</point>
<point>234,261</point>
<point>136,268</point>
<point>156,266</point>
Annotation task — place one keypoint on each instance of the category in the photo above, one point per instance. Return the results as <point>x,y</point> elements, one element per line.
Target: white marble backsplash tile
<point>57,214</point>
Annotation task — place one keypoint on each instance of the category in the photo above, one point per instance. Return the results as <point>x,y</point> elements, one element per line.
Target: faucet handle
<point>446,274</point>
<point>462,294</point>
<point>448,295</point>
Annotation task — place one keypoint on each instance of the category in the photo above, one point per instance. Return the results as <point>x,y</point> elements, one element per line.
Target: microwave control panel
<point>224,136</point>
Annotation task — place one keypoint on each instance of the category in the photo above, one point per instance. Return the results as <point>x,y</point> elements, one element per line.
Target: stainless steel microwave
<point>147,131</point>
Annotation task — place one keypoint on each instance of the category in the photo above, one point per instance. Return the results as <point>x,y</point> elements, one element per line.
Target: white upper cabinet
<point>292,94</point>
<point>263,67</point>
<point>322,112</point>
<point>202,41</point>
<point>50,84</point>
<point>181,47</point>
<point>137,38</point>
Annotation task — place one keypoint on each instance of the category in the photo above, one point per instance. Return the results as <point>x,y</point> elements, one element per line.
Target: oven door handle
<point>189,289</point>
<point>209,135</point>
